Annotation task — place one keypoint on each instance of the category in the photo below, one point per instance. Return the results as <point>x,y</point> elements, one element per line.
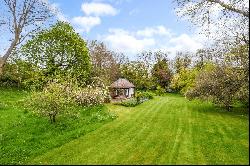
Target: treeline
<point>59,53</point>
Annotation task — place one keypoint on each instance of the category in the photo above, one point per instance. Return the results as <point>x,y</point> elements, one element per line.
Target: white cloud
<point>184,43</point>
<point>132,42</point>
<point>151,31</point>
<point>123,41</point>
<point>117,2</point>
<point>93,12</point>
<point>54,7</point>
<point>98,9</point>
<point>86,23</point>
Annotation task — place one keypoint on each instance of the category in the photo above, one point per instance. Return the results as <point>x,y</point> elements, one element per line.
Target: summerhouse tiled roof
<point>122,83</point>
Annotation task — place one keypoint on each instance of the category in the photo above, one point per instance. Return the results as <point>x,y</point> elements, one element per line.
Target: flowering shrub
<point>90,96</point>
<point>50,102</point>
<point>58,98</point>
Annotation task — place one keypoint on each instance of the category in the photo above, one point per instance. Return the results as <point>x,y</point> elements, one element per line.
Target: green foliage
<point>137,73</point>
<point>219,85</point>
<point>140,97</point>
<point>147,95</point>
<point>160,91</point>
<point>182,61</point>
<point>52,101</point>
<point>184,80</point>
<point>1,105</point>
<point>24,136</point>
<point>7,80</point>
<point>22,74</point>
<point>143,95</point>
<point>161,73</point>
<point>59,51</point>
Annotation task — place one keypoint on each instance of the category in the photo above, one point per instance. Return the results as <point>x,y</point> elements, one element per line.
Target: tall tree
<point>59,51</point>
<point>137,73</point>
<point>149,58</point>
<point>161,73</point>
<point>239,6</point>
<point>218,19</point>
<point>182,60</point>
<point>22,18</point>
<point>104,62</point>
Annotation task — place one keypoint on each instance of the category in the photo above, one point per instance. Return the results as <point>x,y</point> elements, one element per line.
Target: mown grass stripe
<point>142,137</point>
<point>165,130</point>
<point>124,138</point>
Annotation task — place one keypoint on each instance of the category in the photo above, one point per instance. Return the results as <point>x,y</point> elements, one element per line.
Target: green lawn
<point>24,136</point>
<point>165,130</point>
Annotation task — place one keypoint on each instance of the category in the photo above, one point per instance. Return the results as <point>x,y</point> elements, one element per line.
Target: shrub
<point>160,91</point>
<point>184,80</point>
<point>19,73</point>
<point>147,95</point>
<point>91,96</point>
<point>219,85</point>
<point>7,80</point>
<point>143,96</point>
<point>140,97</point>
<point>59,98</point>
<point>52,101</point>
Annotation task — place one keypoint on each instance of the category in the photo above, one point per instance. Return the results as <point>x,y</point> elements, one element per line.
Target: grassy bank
<point>24,136</point>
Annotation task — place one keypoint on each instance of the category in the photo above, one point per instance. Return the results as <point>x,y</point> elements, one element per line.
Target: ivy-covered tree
<point>59,51</point>
<point>161,73</point>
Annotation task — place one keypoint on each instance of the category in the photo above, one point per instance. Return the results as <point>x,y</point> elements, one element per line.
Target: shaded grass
<point>165,130</point>
<point>24,136</point>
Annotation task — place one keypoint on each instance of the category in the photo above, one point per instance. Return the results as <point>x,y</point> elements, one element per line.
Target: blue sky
<point>130,26</point>
<point>127,26</point>
<point>132,14</point>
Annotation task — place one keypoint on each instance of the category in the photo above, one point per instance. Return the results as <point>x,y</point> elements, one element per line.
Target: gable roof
<point>122,83</point>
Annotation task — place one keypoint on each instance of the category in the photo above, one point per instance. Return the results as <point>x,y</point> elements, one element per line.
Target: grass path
<point>165,130</point>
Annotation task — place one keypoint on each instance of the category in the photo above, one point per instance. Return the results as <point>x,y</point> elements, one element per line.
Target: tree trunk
<point>230,7</point>
<point>229,108</point>
<point>3,59</point>
<point>1,66</point>
<point>54,118</point>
